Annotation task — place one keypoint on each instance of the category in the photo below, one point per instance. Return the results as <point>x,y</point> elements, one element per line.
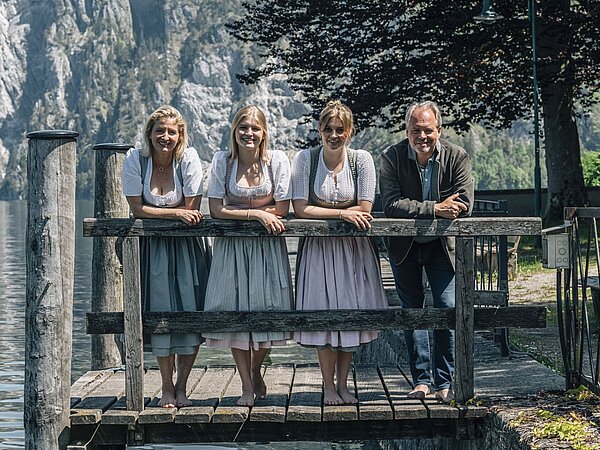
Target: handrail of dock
<point>464,318</point>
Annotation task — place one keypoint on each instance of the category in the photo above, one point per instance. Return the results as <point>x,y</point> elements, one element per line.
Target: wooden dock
<point>292,411</point>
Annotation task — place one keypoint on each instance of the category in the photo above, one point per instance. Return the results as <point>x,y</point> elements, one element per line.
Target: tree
<point>380,55</point>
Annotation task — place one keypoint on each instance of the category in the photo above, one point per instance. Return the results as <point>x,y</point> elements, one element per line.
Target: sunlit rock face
<point>100,68</point>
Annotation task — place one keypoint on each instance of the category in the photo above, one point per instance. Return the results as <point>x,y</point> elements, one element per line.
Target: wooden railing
<point>465,318</point>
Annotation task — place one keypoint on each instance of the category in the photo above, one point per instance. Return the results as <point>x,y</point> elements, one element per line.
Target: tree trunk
<point>563,154</point>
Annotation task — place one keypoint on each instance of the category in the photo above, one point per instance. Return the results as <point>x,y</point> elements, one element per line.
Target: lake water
<point>13,223</point>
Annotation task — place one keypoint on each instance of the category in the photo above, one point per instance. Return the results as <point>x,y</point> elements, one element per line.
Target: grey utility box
<point>556,252</point>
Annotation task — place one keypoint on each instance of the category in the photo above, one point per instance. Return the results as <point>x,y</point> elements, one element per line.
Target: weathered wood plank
<point>397,387</point>
<point>227,411</point>
<point>305,400</point>
<point>157,414</point>
<point>132,325</point>
<point>89,409</point>
<point>373,401</point>
<point>437,410</point>
<point>464,388</point>
<point>118,413</point>
<point>272,408</point>
<point>472,226</point>
<point>381,319</point>
<point>206,395</point>
<point>88,382</point>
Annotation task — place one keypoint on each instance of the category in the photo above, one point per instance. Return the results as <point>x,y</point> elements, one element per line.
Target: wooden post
<point>107,281</point>
<point>464,388</point>
<point>50,256</point>
<point>134,351</point>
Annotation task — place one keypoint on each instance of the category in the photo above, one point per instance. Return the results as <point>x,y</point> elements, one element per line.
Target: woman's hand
<point>270,221</point>
<point>189,216</point>
<point>360,219</point>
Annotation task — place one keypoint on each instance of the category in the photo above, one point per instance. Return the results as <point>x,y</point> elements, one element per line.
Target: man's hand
<point>450,208</point>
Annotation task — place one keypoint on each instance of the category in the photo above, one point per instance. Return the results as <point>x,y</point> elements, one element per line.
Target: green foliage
<point>571,428</point>
<point>590,162</point>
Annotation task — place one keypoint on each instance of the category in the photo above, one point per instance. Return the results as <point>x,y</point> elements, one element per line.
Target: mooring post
<point>107,279</point>
<point>464,387</point>
<point>50,257</point>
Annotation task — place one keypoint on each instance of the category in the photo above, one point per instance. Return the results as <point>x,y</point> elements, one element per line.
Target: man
<point>424,177</point>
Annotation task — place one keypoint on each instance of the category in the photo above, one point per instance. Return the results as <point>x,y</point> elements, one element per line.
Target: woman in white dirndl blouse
<point>164,181</point>
<point>336,182</point>
<point>250,182</point>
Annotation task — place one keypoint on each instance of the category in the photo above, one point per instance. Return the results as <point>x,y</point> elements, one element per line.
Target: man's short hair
<point>432,106</point>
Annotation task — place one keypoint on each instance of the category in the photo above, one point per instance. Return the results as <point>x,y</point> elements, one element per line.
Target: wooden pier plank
<point>272,408</point>
<point>305,399</point>
<point>397,386</point>
<point>157,414</point>
<point>118,414</point>
<point>87,383</point>
<point>228,411</point>
<point>373,401</point>
<point>89,410</point>
<point>206,395</point>
<point>437,410</point>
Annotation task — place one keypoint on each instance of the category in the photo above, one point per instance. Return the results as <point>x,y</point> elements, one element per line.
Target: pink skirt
<point>340,273</point>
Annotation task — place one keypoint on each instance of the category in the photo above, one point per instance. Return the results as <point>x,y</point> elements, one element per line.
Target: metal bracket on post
<point>136,435</point>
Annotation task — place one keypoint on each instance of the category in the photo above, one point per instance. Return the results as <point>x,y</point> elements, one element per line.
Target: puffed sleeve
<point>282,174</point>
<point>191,169</point>
<point>366,176</point>
<point>301,175</point>
<point>131,177</point>
<point>216,180</point>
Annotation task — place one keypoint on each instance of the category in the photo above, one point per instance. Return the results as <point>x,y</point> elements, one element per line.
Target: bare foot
<point>444,396</point>
<point>347,397</point>
<point>260,388</point>
<point>182,399</point>
<point>167,399</point>
<point>419,392</point>
<point>331,397</point>
<point>247,399</point>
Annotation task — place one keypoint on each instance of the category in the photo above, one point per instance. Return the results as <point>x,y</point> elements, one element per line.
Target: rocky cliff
<point>100,67</point>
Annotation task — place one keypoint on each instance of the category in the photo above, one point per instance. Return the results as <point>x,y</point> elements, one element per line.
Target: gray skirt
<point>174,274</point>
<point>249,274</point>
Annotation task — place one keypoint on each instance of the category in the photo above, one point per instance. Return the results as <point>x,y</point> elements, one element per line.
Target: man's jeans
<point>409,285</point>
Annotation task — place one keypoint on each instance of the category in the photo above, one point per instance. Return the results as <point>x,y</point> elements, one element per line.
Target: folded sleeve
<point>191,168</point>
<point>216,180</point>
<point>131,177</point>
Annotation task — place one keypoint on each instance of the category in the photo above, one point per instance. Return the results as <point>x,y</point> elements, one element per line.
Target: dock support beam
<point>107,279</point>
<point>50,252</point>
<point>464,387</point>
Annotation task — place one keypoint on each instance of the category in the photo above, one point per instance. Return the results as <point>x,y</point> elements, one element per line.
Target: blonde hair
<point>252,112</point>
<point>336,108</point>
<point>166,112</point>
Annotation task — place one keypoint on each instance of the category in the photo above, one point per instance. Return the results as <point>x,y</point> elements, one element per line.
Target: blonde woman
<point>336,182</point>
<point>164,181</point>
<point>250,182</point>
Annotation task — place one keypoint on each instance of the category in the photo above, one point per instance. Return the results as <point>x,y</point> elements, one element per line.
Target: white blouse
<point>191,170</point>
<point>280,167</point>
<point>326,187</point>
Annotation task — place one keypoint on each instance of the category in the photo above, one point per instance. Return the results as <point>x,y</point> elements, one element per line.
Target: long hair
<point>166,111</point>
<point>252,112</point>
<point>336,108</point>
